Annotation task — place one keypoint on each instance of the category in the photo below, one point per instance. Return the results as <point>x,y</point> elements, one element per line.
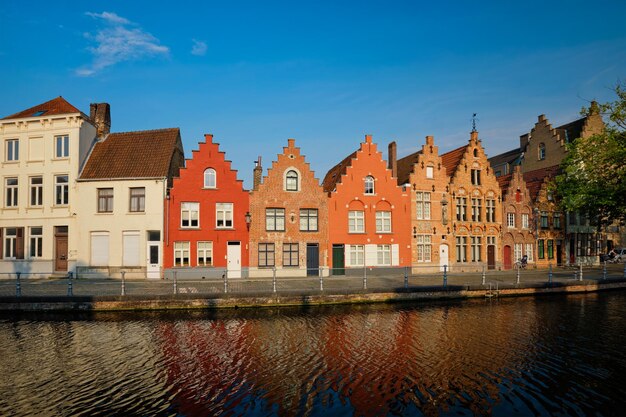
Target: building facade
<point>43,149</point>
<point>369,215</point>
<point>206,232</point>
<point>289,219</point>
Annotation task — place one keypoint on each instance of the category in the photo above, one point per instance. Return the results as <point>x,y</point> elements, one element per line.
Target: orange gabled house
<point>368,213</point>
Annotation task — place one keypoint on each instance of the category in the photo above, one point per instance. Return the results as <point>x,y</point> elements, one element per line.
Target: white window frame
<point>424,248</point>
<point>180,250</point>
<point>210,178</point>
<point>490,210</point>
<point>10,243</point>
<point>510,220</point>
<point>11,193</point>
<point>224,213</point>
<point>356,221</point>
<point>430,172</point>
<point>517,251</point>
<point>383,222</point>
<point>62,146</point>
<point>204,251</point>
<point>35,242</point>
<point>525,222</point>
<point>292,180</point>
<point>369,186</point>
<point>12,150</point>
<point>190,213</point>
<point>61,190</point>
<point>477,208</point>
<point>383,255</point>
<point>356,255</point>
<point>36,192</point>
<point>529,252</point>
<point>422,206</point>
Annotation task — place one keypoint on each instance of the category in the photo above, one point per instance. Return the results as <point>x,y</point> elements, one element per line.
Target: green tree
<point>593,179</point>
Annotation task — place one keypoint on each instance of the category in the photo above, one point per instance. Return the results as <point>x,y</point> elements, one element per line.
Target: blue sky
<point>325,73</point>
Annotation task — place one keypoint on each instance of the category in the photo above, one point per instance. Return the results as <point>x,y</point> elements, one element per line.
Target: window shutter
<point>19,244</point>
<point>371,255</point>
<point>131,249</point>
<point>395,255</point>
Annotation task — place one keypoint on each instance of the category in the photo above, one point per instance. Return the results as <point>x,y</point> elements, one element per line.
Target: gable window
<point>430,172</point>
<point>369,185</point>
<point>210,178</point>
<point>461,208</point>
<point>541,151</point>
<point>61,190</point>
<point>205,253</point>
<point>11,192</point>
<point>190,215</point>
<point>290,254</point>
<point>275,219</point>
<point>490,206</point>
<point>224,215</point>
<point>12,150</point>
<point>138,199</point>
<point>356,221</point>
<point>510,219</point>
<point>291,181</point>
<point>266,254</point>
<point>383,222</point>
<point>105,200</point>
<point>36,242</point>
<point>308,220</point>
<point>181,253</point>
<point>62,146</point>
<point>36,191</point>
<point>476,209</point>
<point>422,205</point>
<point>476,177</point>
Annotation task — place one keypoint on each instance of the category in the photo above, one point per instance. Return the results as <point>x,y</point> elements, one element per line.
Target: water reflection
<point>544,356</point>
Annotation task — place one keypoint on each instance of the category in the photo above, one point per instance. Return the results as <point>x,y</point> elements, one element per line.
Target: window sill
<point>384,233</point>
<point>132,213</point>
<point>209,188</point>
<point>356,233</point>
<point>224,228</point>
<point>104,212</point>
<point>275,231</point>
<point>189,228</point>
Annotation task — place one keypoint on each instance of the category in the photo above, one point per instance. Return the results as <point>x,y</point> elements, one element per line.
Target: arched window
<point>369,185</point>
<point>210,178</point>
<point>291,181</point>
<point>542,151</point>
<point>475,153</point>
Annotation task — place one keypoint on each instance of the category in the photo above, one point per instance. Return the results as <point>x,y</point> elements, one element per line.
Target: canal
<point>549,356</point>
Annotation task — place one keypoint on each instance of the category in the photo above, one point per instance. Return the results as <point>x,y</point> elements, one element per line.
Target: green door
<point>338,260</point>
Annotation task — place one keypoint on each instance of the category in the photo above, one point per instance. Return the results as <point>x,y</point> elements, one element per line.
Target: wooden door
<point>338,260</point>
<point>312,259</point>
<point>507,257</point>
<point>491,257</point>
<point>60,245</point>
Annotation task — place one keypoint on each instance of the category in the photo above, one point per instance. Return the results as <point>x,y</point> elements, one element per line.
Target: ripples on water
<point>545,356</point>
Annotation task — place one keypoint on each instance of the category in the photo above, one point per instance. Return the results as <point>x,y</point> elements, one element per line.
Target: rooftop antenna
<point>474,119</point>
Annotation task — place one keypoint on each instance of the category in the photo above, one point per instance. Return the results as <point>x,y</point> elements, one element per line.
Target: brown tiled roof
<point>504,181</point>
<point>405,167</point>
<point>451,159</point>
<point>333,176</point>
<point>55,106</point>
<point>143,154</point>
<point>534,179</point>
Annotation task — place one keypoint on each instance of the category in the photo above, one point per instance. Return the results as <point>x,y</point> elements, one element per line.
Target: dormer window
<point>369,185</point>
<point>210,178</point>
<point>542,151</point>
<point>291,181</point>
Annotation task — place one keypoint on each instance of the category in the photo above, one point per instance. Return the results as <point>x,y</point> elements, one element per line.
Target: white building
<point>43,149</point>
<point>122,188</point>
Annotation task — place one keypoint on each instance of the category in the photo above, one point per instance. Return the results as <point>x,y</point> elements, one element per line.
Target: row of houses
<point>80,198</point>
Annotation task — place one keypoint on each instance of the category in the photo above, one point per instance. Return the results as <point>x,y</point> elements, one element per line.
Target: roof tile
<point>53,107</point>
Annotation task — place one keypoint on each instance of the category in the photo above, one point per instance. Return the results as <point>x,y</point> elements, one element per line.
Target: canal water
<point>549,356</point>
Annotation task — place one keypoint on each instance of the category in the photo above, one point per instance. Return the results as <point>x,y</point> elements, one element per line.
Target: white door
<point>153,257</point>
<point>233,258</point>
<point>443,256</point>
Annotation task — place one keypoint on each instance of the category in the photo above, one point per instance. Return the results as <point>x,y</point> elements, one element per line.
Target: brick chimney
<point>392,156</point>
<point>257,174</point>
<point>100,115</point>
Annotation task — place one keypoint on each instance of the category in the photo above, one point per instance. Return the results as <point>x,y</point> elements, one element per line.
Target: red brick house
<point>368,213</point>
<point>205,216</point>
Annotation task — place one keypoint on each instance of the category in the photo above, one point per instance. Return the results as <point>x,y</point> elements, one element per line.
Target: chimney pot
<point>392,158</point>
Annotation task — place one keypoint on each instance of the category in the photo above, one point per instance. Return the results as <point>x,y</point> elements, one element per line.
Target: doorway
<point>491,257</point>
<point>233,259</point>
<point>60,249</point>
<point>338,260</point>
<point>312,259</point>
<point>153,257</point>
<point>507,257</point>
<point>443,256</point>
<point>559,253</point>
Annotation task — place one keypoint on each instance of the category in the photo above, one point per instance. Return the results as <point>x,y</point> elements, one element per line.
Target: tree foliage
<point>593,179</point>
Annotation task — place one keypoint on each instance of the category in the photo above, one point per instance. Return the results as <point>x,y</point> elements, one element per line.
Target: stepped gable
<point>504,181</point>
<point>405,167</point>
<point>333,176</point>
<point>141,154</point>
<point>53,107</point>
<point>535,179</point>
<point>452,159</point>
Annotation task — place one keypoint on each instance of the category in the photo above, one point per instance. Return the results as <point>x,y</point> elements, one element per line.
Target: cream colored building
<point>42,151</point>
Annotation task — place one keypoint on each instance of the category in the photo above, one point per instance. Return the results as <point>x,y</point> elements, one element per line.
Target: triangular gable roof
<point>50,108</point>
<point>451,159</point>
<point>142,154</point>
<point>405,167</point>
<point>333,176</point>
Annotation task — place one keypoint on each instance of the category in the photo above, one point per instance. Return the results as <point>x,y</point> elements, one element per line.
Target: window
<point>210,178</point>
<point>510,219</point>
<point>556,220</point>
<point>266,254</point>
<point>383,255</point>
<point>62,146</point>
<point>529,252</point>
<point>14,243</point>
<point>476,248</point>
<point>490,205</point>
<point>11,192</point>
<point>369,185</point>
<point>356,222</point>
<point>291,181</point>
<point>137,199</point>
<point>525,221</point>
<point>356,255</point>
<point>308,220</point>
<point>476,177</point>
<point>224,215</point>
<point>290,254</point>
<point>12,150</point>
<point>383,222</point>
<point>572,218</point>
<point>550,249</point>
<point>424,248</point>
<point>518,251</point>
<point>430,172</point>
<point>491,240</point>
<point>205,253</point>
<point>461,249</point>
<point>461,208</point>
<point>36,191</point>
<point>61,190</point>
<point>189,215</point>
<point>275,219</point>
<point>541,152</point>
<point>36,242</point>
<point>105,200</point>
<point>181,253</point>
<point>476,209</point>
<point>423,206</point>
<point>540,254</point>
<point>544,219</point>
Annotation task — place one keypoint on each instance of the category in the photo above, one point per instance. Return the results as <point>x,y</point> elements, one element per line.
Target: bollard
<point>580,274</point>
<point>18,286</point>
<point>175,282</point>
<point>604,271</point>
<point>70,290</point>
<point>123,282</point>
<point>445,276</point>
<point>225,275</point>
<point>484,275</point>
<point>517,276</point>
<point>321,279</point>
<point>550,274</point>
<point>406,277</point>
<point>364,277</point>
<point>274,279</point>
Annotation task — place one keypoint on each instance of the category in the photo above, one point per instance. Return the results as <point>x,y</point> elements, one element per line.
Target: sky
<point>254,74</point>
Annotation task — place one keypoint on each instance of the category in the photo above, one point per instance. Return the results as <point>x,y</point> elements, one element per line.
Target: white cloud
<point>198,48</point>
<point>118,42</point>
